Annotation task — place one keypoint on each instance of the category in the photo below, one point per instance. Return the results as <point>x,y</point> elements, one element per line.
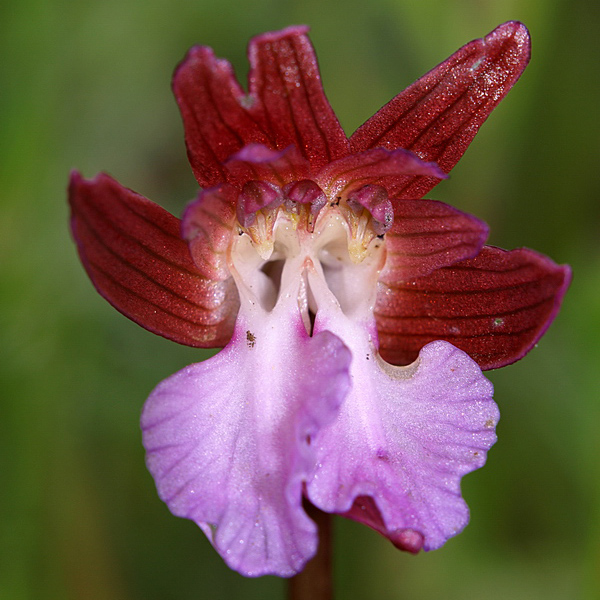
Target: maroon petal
<point>133,252</point>
<point>495,307</point>
<point>286,105</point>
<point>427,235</point>
<point>215,118</point>
<point>377,166</point>
<point>438,115</point>
<point>257,162</point>
<point>285,81</point>
<point>207,226</point>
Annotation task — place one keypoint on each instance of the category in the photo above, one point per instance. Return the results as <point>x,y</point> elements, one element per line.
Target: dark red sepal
<point>427,235</point>
<point>438,115</point>
<point>495,307</point>
<point>215,121</point>
<point>257,162</point>
<point>377,166</point>
<point>132,251</point>
<point>285,80</point>
<point>286,105</point>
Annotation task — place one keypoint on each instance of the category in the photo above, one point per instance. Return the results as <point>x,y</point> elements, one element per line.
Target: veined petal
<point>377,166</point>
<point>285,105</point>
<point>132,251</point>
<point>289,98</point>
<point>438,115</point>
<point>494,306</point>
<point>394,457</point>
<point>427,235</point>
<point>207,226</point>
<point>230,441</point>
<point>215,118</point>
<point>257,162</point>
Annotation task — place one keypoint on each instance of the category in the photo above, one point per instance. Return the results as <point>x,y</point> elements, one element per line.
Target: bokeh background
<point>86,85</point>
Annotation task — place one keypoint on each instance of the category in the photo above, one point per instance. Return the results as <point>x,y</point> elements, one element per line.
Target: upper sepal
<point>290,103</point>
<point>495,307</point>
<point>133,252</point>
<point>215,118</point>
<point>285,106</point>
<point>438,116</point>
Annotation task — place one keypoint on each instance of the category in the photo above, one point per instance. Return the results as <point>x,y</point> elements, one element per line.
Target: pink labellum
<point>225,454</point>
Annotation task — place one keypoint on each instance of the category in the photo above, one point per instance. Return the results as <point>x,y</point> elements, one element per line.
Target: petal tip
<point>408,540</point>
<point>74,177</point>
<point>274,36</point>
<point>516,32</point>
<point>512,28</point>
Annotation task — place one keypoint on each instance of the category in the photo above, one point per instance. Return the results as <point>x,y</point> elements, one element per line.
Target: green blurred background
<point>86,85</point>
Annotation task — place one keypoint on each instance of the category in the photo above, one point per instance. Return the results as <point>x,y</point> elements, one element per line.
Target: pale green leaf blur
<point>86,85</point>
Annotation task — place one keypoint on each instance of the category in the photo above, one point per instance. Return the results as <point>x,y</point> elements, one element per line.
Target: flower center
<point>324,251</point>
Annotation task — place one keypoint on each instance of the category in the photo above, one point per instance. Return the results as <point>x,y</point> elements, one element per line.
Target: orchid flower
<point>355,316</point>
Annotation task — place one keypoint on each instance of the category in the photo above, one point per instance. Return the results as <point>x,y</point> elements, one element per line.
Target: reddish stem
<point>315,582</point>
